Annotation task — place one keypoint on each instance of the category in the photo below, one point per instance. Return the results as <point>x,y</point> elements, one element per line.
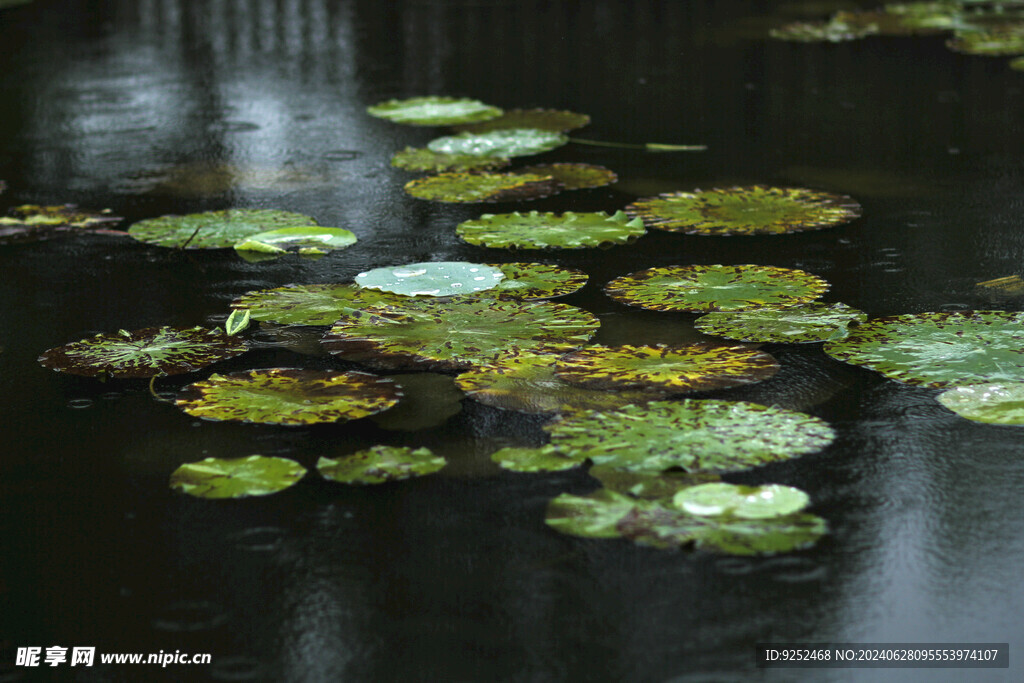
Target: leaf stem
<point>152,390</point>
<point>648,146</point>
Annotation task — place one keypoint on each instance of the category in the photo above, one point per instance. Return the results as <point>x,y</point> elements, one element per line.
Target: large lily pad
<point>716,288</point>
<point>482,187</point>
<point>693,435</point>
<point>542,459</point>
<point>149,352</point>
<point>575,176</point>
<point>812,322</point>
<point>255,475</point>
<point>440,278</point>
<point>310,304</point>
<point>288,396</point>
<point>32,222</point>
<point>539,119</point>
<point>503,143</point>
<point>215,229</point>
<point>536,281</point>
<point>526,382</point>
<point>694,367</point>
<point>426,160</point>
<point>537,230</point>
<point>380,464</point>
<point>939,349</point>
<point>754,210</point>
<point>434,111</point>
<point>746,502</point>
<point>995,403</point>
<point>312,237</point>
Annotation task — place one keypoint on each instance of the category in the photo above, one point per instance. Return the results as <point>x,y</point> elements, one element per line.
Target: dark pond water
<point>125,103</point>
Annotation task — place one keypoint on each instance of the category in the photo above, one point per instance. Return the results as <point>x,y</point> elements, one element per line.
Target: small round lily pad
<point>503,143</point>
<point>429,161</point>
<point>542,459</point>
<point>30,222</point>
<point>310,304</point>
<point>540,119</point>
<point>255,475</point>
<point>214,229</point>
<point>745,502</point>
<point>536,230</point>
<point>694,367</point>
<point>754,210</point>
<point>812,322</point>
<point>716,288</point>
<point>380,464</point>
<point>536,281</point>
<point>482,187</point>
<point>434,111</point>
<point>575,176</point>
<point>440,278</point>
<point>995,403</point>
<point>288,396</point>
<point>149,352</point>
<point>284,239</point>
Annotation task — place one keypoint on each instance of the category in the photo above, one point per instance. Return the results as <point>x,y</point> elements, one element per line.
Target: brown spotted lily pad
<point>31,222</point>
<point>575,176</point>
<point>483,187</point>
<point>536,281</point>
<point>429,161</point>
<point>310,304</point>
<point>536,230</point>
<point>380,464</point>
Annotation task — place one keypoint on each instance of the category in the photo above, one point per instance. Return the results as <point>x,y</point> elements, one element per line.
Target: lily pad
<point>310,304</point>
<point>503,143</point>
<point>694,367</point>
<point>32,222</point>
<point>441,278</point>
<point>939,349</point>
<point>833,31</point>
<point>214,229</point>
<point>575,176</point>
<point>693,435</point>
<point>716,288</point>
<point>256,475</point>
<point>525,382</point>
<point>754,210</point>
<point>536,281</point>
<point>995,403</point>
<point>434,111</point>
<point>429,161</point>
<point>537,230</point>
<point>482,187</point>
<point>149,352</point>
<point>813,322</point>
<point>298,238</point>
<point>380,464</point>
<point>648,485</point>
<point>1003,41</point>
<point>596,515</point>
<point>460,333</point>
<point>288,396</point>
<point>542,459</point>
<point>539,119</point>
<point>745,502</point>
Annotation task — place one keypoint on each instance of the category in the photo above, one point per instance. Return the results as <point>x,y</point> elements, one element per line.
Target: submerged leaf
<point>426,160</point>
<point>440,278</point>
<point>812,322</point>
<point>539,119</point>
<point>256,475</point>
<point>214,229</point>
<point>428,400</point>
<point>537,230</point>
<point>745,502</point>
<point>542,459</point>
<point>995,403</point>
<point>575,176</point>
<point>310,304</point>
<point>298,238</point>
<point>380,464</point>
<point>482,187</point>
<point>503,143</point>
<point>434,111</point>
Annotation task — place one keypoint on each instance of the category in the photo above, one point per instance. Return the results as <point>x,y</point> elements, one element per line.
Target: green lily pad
<point>575,176</point>
<point>648,485</point>
<point>537,230</point>
<point>754,210</point>
<point>434,111</point>
<point>482,187</point>
<point>542,459</point>
<point>460,333</point>
<point>31,222</point>
<point>918,18</point>
<point>716,288</point>
<point>938,349</point>
<point>540,119</point>
<point>214,229</point>
<point>441,278</point>
<point>693,435</point>
<point>833,31</point>
<point>693,367</point>
<point>298,238</point>
<point>149,352</point>
<point>596,515</point>
<point>288,396</point>
<point>800,324</point>
<point>380,464</point>
<point>745,502</point>
<point>1002,41</point>
<point>503,143</point>
<point>429,161</point>
<point>428,400</point>
<point>256,475</point>
<point>525,382</point>
<point>536,281</point>
<point>311,304</point>
<point>995,403</point>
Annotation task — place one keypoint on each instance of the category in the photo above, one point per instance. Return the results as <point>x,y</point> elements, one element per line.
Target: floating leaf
<point>539,119</point>
<point>903,20</point>
<point>440,278</point>
<point>288,396</point>
<point>426,160</point>
<point>237,321</point>
<point>460,333</point>
<point>543,459</point>
<point>754,210</point>
<point>537,230</point>
<point>310,304</point>
<point>693,435</point>
<point>149,352</point>
<point>298,238</point>
<point>800,324</point>
<point>694,367</point>
<point>995,403</point>
<point>31,222</point>
<point>833,31</point>
<point>434,111</point>
<point>648,485</point>
<point>939,349</point>
<point>256,475</point>
<point>745,502</point>
<point>575,176</point>
<point>715,288</point>
<point>525,382</point>
<point>504,143</point>
<point>428,400</point>
<point>482,187</point>
<point>214,229</point>
<point>998,42</point>
<point>380,464</point>
<point>536,281</point>
<point>596,515</point>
